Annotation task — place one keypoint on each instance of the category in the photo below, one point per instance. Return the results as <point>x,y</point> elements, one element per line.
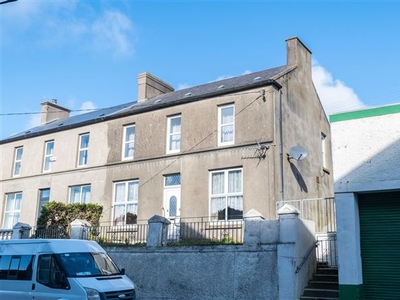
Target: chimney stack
<point>52,111</point>
<point>150,86</point>
<point>298,54</point>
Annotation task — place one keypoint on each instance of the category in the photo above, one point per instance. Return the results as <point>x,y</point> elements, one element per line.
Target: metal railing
<point>181,231</point>
<point>327,249</point>
<point>305,258</point>
<point>322,211</point>
<point>131,234</point>
<point>202,231</point>
<point>5,234</point>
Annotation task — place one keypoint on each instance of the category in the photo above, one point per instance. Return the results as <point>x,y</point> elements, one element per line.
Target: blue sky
<point>87,54</point>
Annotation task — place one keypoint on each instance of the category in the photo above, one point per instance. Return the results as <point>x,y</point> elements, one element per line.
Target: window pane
<point>173,179</point>
<point>19,154</point>
<point>217,183</point>
<point>47,164</point>
<point>227,115</point>
<point>119,214</point>
<point>83,157</point>
<point>10,202</point>
<point>218,208</point>
<point>84,141</point>
<point>175,142</point>
<point>173,206</point>
<point>235,181</point>
<point>227,133</point>
<point>119,192</point>
<point>49,148</point>
<point>130,133</point>
<point>86,194</point>
<point>175,126</point>
<point>235,207</point>
<point>75,194</point>
<point>129,146</point>
<point>129,149</point>
<point>17,168</point>
<point>8,220</point>
<point>132,191</point>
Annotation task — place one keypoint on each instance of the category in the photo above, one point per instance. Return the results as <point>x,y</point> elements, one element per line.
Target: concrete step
<point>326,277</point>
<point>330,285</point>
<point>317,298</point>
<point>312,292</point>
<point>327,270</point>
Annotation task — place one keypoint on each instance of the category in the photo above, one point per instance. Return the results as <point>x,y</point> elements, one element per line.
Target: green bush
<point>57,216</point>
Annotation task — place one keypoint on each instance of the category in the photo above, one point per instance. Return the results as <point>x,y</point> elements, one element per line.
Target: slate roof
<point>195,93</point>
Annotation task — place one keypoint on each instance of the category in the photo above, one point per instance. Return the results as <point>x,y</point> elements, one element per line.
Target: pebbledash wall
<point>366,149</point>
<point>266,266</point>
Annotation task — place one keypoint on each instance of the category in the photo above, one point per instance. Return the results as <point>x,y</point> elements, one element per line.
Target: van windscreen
<point>84,264</point>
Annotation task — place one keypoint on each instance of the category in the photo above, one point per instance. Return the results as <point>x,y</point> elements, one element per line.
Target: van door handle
<point>33,286</point>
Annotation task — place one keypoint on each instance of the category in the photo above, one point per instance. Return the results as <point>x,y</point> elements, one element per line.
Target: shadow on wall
<point>383,166</point>
<point>299,178</point>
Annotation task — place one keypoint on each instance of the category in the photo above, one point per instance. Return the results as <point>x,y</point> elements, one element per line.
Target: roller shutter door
<point>380,244</point>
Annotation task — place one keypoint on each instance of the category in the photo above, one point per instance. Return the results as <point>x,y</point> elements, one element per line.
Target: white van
<point>60,269</point>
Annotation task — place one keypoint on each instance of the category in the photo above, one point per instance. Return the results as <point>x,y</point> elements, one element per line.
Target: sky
<point>87,54</point>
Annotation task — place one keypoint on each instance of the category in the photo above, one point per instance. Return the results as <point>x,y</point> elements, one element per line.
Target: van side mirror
<point>122,271</point>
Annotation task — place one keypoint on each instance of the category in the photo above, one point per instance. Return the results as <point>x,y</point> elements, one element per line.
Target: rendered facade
<point>366,151</point>
<point>215,150</point>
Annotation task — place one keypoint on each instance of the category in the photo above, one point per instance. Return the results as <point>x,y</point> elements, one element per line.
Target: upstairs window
<point>48,156</point>
<point>18,161</point>
<point>80,194</point>
<point>226,195</point>
<point>174,134</point>
<point>226,125</point>
<point>12,210</point>
<point>125,203</point>
<point>129,142</point>
<point>83,149</point>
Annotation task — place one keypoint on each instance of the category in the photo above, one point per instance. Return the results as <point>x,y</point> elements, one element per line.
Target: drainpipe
<point>281,147</point>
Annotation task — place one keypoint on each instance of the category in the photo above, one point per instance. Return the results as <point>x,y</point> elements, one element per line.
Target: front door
<point>172,199</point>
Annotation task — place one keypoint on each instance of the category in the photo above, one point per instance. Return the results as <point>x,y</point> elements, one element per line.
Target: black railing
<point>181,231</point>
<point>132,234</point>
<point>202,231</point>
<point>327,249</point>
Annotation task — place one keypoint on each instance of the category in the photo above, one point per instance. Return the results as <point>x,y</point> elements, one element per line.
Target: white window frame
<point>171,135</point>
<point>222,125</point>
<point>48,157</point>
<point>19,152</point>
<point>42,200</point>
<point>125,202</point>
<point>127,142</point>
<point>13,212</point>
<point>225,194</point>
<point>81,188</point>
<point>84,151</point>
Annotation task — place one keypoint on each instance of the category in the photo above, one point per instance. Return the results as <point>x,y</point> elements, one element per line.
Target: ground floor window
<point>13,210</point>
<point>226,194</point>
<point>125,202</point>
<point>80,194</point>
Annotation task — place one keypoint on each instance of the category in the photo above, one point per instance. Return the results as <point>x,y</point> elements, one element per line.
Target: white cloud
<point>182,86</point>
<point>87,106</point>
<point>112,31</point>
<point>61,23</point>
<point>33,121</point>
<point>335,96</point>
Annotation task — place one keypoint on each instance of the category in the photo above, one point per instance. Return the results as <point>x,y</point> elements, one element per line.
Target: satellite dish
<point>297,153</point>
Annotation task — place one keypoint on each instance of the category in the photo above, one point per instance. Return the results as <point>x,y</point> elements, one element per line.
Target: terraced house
<point>216,150</point>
